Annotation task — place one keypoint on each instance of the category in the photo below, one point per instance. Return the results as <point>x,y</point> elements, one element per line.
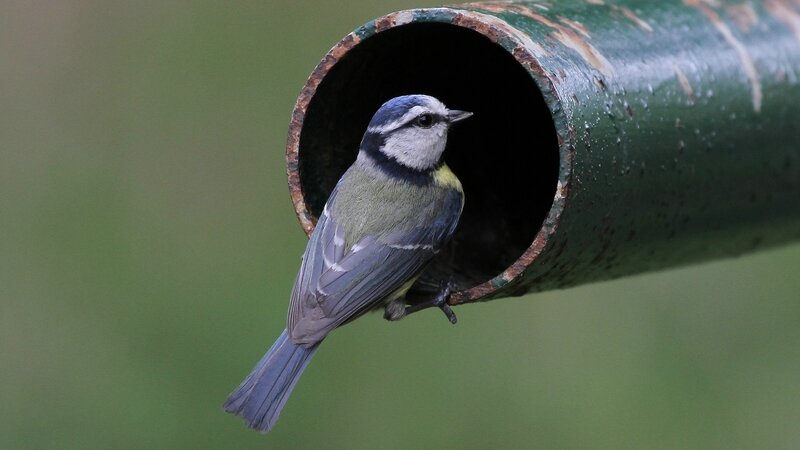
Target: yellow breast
<point>446,178</point>
<point>401,291</point>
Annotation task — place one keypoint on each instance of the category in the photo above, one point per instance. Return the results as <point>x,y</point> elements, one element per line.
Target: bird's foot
<point>397,309</point>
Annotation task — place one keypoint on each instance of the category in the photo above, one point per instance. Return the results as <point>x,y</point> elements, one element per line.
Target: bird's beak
<point>455,115</point>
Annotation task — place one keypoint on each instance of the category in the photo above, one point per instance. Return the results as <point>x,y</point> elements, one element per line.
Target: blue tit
<point>387,217</point>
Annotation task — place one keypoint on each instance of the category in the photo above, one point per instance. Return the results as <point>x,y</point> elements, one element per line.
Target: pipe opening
<point>506,155</point>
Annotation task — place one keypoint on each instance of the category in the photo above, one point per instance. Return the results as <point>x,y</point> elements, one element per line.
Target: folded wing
<point>336,284</point>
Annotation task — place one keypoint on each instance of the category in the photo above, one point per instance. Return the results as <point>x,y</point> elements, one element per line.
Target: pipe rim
<point>524,51</point>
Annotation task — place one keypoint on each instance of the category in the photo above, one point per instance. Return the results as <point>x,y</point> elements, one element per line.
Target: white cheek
<point>415,147</point>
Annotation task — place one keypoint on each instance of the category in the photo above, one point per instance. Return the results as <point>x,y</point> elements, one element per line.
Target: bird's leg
<point>397,309</point>
<point>439,301</point>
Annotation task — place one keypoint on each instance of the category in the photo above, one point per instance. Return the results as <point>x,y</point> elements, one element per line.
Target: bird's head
<point>411,131</point>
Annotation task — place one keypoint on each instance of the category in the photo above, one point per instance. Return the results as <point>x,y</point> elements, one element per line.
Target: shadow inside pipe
<point>506,155</point>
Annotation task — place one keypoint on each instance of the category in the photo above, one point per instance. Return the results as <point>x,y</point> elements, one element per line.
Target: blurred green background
<point>148,247</point>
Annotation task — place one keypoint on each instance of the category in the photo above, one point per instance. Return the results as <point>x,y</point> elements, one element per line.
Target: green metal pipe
<point>609,138</point>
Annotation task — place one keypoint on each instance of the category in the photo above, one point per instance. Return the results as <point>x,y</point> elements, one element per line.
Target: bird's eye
<point>424,121</point>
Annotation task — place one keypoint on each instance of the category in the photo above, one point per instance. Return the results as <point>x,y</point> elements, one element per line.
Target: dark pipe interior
<point>506,155</point>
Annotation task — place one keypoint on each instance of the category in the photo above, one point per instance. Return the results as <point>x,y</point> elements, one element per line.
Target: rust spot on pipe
<point>744,56</point>
<point>684,82</point>
<point>783,11</point>
<point>568,32</point>
<point>630,15</point>
<point>393,20</point>
<point>501,27</point>
<point>571,39</point>
<point>743,15</point>
<point>575,25</point>
<point>491,7</point>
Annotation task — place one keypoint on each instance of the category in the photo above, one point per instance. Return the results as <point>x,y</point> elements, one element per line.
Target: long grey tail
<point>261,396</point>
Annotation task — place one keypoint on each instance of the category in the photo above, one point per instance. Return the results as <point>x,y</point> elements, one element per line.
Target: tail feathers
<point>261,396</point>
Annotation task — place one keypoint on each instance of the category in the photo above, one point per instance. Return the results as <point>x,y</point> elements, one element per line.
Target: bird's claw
<point>397,309</point>
<point>441,301</point>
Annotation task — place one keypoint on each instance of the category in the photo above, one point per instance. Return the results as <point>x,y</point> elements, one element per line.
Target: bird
<point>390,213</point>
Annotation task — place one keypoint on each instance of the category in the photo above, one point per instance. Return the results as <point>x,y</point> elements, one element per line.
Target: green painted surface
<point>148,247</point>
<point>682,117</point>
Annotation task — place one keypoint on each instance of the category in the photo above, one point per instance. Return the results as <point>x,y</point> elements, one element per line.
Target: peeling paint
<point>744,56</point>
<point>783,11</point>
<point>393,20</point>
<point>575,25</point>
<point>561,191</point>
<point>568,32</point>
<point>570,38</point>
<point>684,82</point>
<point>743,15</point>
<point>628,13</point>
<point>518,36</point>
<point>491,7</point>
<point>404,17</point>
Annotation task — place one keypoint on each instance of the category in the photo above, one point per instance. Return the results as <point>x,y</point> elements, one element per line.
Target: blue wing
<point>335,284</point>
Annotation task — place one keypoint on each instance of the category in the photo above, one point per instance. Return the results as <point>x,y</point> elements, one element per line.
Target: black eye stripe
<point>437,118</point>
